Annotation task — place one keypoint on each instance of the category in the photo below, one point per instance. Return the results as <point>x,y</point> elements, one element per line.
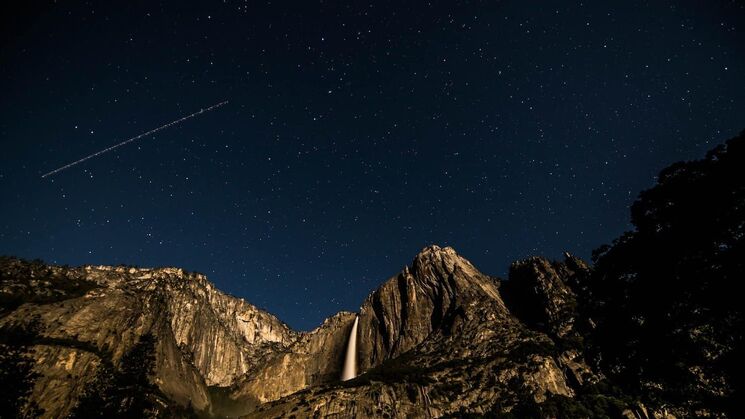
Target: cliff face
<point>436,339</point>
<point>317,357</point>
<point>204,337</point>
<point>431,295</point>
<point>223,335</point>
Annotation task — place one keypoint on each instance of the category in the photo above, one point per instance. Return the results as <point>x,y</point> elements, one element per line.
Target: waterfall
<point>350,361</point>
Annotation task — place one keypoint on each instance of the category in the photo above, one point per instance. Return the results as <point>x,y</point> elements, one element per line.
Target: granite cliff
<point>437,339</point>
<point>83,317</point>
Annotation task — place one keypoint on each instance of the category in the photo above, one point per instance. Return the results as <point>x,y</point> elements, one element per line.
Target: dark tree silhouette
<point>665,297</point>
<point>124,392</point>
<point>16,372</point>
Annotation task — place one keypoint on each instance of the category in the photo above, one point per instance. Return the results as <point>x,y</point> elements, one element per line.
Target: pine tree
<point>122,392</point>
<point>16,372</point>
<point>665,296</point>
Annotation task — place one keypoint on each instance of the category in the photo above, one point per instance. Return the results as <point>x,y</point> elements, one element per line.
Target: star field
<point>355,135</point>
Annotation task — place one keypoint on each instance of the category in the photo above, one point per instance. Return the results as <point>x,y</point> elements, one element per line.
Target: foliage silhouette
<point>125,391</point>
<point>16,372</point>
<point>665,296</point>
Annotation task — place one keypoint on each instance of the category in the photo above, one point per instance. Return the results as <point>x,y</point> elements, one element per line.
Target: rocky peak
<point>426,297</point>
<point>575,264</point>
<point>436,256</point>
<point>538,293</point>
<point>440,263</point>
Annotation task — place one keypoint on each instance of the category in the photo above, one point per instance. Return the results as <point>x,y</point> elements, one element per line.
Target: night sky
<point>356,133</point>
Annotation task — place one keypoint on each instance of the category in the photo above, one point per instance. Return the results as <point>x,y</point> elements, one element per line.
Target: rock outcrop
<point>538,292</point>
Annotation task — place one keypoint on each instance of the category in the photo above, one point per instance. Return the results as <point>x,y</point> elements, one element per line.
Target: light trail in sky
<point>144,134</point>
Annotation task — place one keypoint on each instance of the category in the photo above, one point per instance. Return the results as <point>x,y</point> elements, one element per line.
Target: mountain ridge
<point>209,339</point>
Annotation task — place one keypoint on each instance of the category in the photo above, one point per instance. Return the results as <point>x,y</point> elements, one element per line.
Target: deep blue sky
<point>356,133</point>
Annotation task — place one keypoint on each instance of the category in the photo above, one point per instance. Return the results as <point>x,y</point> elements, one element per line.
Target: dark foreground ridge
<point>652,329</point>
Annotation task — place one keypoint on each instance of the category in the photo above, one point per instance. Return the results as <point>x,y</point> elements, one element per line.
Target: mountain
<point>436,339</point>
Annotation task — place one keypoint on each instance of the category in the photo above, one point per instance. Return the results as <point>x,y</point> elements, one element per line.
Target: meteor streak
<point>145,134</point>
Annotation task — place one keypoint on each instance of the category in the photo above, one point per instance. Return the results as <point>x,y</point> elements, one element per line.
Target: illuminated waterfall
<point>350,361</point>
